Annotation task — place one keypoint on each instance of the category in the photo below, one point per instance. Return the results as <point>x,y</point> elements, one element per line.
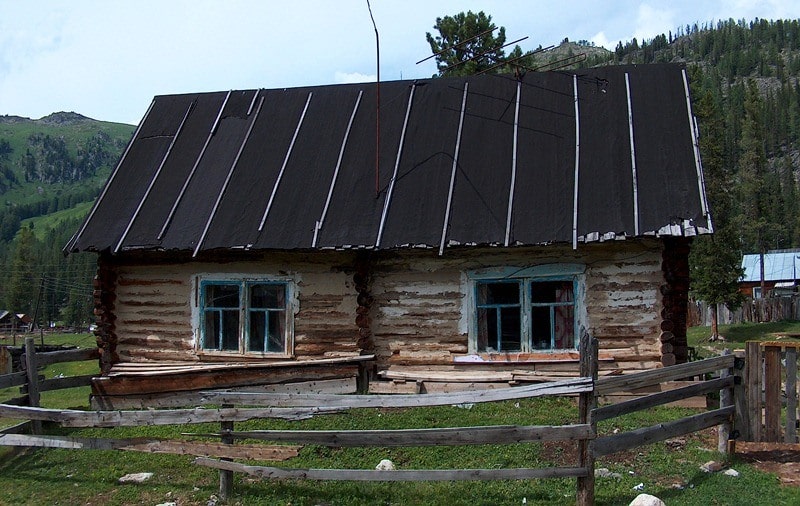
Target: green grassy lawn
<point>669,471</point>
<point>737,335</point>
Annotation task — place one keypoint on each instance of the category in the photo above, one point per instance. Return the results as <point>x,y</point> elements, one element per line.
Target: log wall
<point>410,307</point>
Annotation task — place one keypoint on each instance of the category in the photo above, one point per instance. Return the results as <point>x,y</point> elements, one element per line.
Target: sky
<point>108,59</point>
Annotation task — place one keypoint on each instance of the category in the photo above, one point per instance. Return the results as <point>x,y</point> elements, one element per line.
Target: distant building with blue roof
<point>781,271</point>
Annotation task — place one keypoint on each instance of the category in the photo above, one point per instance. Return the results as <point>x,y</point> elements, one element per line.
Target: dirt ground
<point>781,459</point>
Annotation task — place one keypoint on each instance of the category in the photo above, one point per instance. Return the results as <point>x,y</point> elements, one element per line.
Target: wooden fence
<point>770,383</point>
<point>772,309</point>
<point>296,406</point>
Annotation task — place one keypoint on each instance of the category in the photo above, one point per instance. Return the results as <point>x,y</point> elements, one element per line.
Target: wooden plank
<point>587,402</point>
<point>563,387</point>
<point>740,422</point>
<point>20,428</point>
<point>67,382</point>
<point>450,436</point>
<point>31,369</point>
<point>791,395</point>
<point>193,398</point>
<point>449,376</point>
<point>657,399</point>
<point>725,400</point>
<point>609,384</point>
<point>170,367</point>
<point>77,418</point>
<point>772,393</point>
<point>13,379</point>
<point>76,355</point>
<point>647,435</point>
<point>753,388</point>
<point>396,475</point>
<point>148,445</point>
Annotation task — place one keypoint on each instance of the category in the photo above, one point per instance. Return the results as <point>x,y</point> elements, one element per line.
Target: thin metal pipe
<point>453,170</point>
<point>396,165</point>
<point>633,158</point>
<point>377,105</point>
<point>577,163</point>
<point>285,162</point>
<point>155,177</point>
<point>252,103</point>
<point>194,169</point>
<point>475,56</point>
<point>695,145</point>
<point>513,166</point>
<point>77,236</point>
<point>228,179</point>
<point>321,220</point>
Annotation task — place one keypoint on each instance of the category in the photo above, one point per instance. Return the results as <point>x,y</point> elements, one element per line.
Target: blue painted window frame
<point>244,311</point>
<point>527,278</point>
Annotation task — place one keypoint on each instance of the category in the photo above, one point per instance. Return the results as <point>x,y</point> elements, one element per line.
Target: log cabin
<point>465,230</point>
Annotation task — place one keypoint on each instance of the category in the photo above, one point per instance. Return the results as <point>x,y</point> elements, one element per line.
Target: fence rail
<point>298,406</point>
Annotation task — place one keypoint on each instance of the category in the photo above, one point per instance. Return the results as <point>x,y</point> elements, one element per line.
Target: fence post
<point>791,394</point>
<point>586,403</point>
<point>741,421</point>
<point>753,388</point>
<point>225,476</point>
<point>772,393</point>
<point>31,370</point>
<point>725,400</point>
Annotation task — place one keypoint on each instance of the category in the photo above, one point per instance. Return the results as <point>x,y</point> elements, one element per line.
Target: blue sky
<point>107,59</point>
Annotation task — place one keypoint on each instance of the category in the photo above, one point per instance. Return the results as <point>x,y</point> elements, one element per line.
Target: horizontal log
<point>448,376</point>
<point>76,418</point>
<point>647,435</point>
<point>20,428</point>
<point>646,378</point>
<point>76,355</point>
<point>564,387</point>
<point>14,379</point>
<point>450,436</point>
<point>396,475</point>
<point>61,383</point>
<point>657,399</point>
<point>147,445</point>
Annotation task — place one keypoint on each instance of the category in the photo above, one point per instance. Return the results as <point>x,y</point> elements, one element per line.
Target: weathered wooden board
<point>146,445</point>
<point>608,385</point>
<point>450,436</point>
<point>76,355</point>
<point>639,437</point>
<point>396,475</point>
<point>563,387</point>
<point>76,418</point>
<point>772,394</point>
<point>13,379</point>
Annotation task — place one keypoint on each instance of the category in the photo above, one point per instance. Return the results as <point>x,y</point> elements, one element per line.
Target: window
<point>244,316</point>
<point>526,312</point>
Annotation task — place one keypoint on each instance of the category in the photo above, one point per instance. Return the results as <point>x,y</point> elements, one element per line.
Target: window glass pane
<point>277,331</point>
<point>222,296</point>
<point>510,329</point>
<point>498,293</point>
<point>230,330</point>
<point>564,328</point>
<point>221,327</point>
<point>487,329</point>
<point>257,331</point>
<point>268,296</point>
<point>551,291</point>
<point>540,328</point>
<point>211,330</point>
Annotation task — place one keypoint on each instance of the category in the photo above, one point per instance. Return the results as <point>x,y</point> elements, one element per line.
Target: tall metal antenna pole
<point>377,104</point>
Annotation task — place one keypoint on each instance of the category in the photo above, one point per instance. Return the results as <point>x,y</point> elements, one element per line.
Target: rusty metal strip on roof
<point>390,190</point>
<point>695,146</point>
<point>77,236</point>
<point>228,178</point>
<point>155,176</point>
<point>633,158</point>
<point>285,162</point>
<point>194,169</point>
<point>453,170</point>
<point>577,163</point>
<point>513,165</point>
<point>319,223</point>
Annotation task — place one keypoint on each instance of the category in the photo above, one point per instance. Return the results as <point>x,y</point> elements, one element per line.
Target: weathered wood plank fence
<point>297,406</point>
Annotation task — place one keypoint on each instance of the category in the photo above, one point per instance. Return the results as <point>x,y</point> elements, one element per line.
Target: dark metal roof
<point>553,157</point>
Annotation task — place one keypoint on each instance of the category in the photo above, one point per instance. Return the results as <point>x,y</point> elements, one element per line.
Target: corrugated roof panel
<point>417,206</point>
<point>542,209</point>
<point>777,266</point>
<point>605,198</point>
<point>483,175</point>
<point>664,150</point>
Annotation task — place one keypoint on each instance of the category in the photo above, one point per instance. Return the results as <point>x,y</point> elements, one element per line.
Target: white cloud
<point>601,40</point>
<point>651,22</point>
<point>340,77</point>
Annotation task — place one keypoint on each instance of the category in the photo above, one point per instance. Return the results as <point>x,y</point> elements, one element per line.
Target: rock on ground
<point>647,500</point>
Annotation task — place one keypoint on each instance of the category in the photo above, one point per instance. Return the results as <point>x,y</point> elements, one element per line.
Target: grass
<point>669,471</point>
<point>737,335</point>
